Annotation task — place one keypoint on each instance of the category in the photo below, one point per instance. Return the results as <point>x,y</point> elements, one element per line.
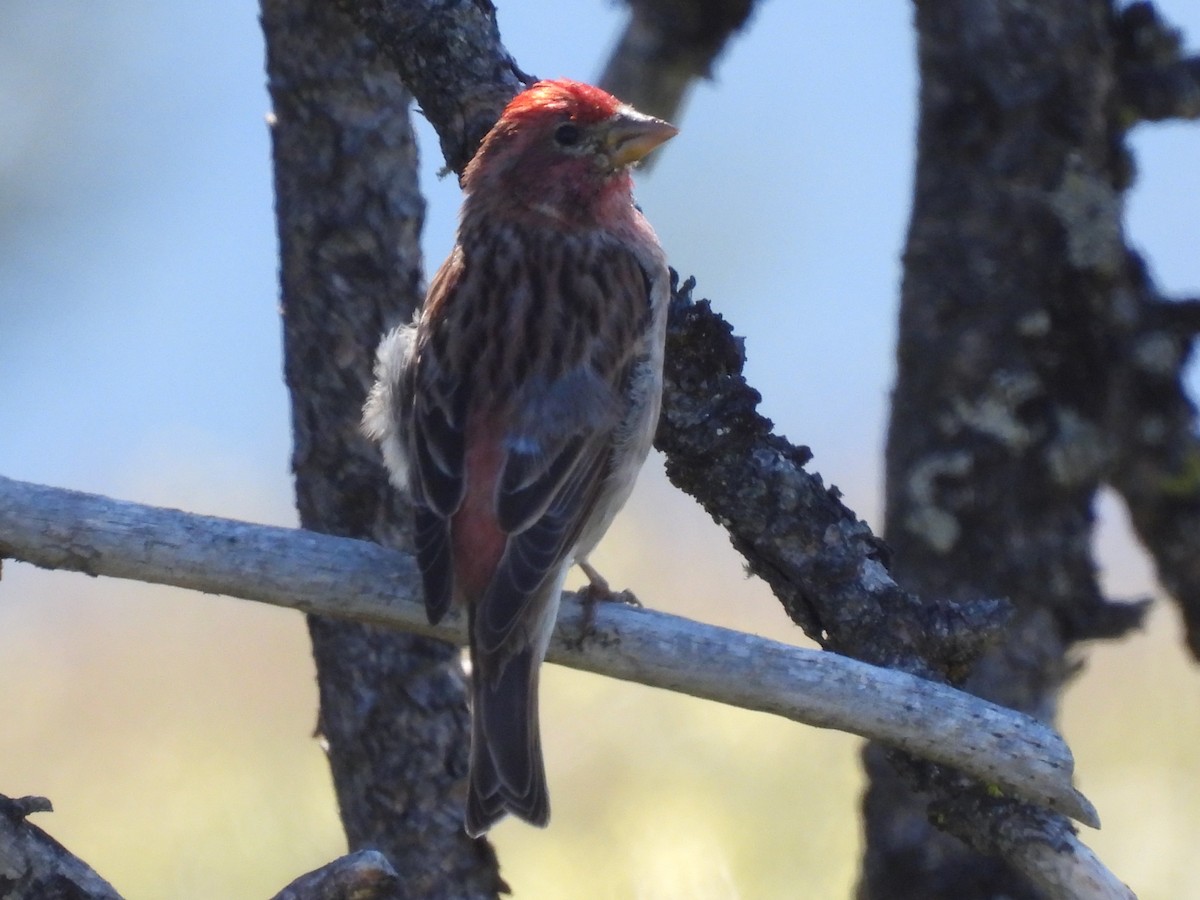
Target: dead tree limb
<point>359,580</point>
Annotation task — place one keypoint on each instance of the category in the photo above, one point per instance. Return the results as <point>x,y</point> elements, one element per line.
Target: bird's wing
<point>520,376</point>
<point>552,460</point>
<point>559,442</point>
<point>437,441</point>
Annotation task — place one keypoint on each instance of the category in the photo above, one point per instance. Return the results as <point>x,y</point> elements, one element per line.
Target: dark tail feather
<point>507,774</point>
<point>432,539</point>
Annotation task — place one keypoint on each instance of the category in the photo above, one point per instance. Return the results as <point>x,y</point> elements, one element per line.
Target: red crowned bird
<point>519,406</point>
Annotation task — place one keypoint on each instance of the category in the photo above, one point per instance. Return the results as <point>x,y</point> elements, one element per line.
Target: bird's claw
<point>591,593</point>
<point>598,591</point>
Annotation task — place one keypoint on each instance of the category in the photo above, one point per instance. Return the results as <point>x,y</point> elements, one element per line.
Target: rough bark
<point>1156,80</point>
<point>1153,421</point>
<point>1015,273</point>
<point>392,707</point>
<point>831,574</point>
<point>822,562</point>
<point>34,866</point>
<point>448,53</point>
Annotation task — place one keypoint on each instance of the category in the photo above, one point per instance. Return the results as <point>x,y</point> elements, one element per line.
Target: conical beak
<point>630,135</point>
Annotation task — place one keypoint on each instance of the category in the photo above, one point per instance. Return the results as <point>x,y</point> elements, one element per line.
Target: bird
<point>518,406</point>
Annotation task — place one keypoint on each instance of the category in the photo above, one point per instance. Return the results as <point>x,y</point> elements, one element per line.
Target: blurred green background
<point>140,358</point>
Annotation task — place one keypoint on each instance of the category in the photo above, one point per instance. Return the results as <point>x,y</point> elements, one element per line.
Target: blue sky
<point>137,265</point>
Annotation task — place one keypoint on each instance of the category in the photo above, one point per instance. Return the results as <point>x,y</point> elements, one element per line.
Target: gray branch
<point>315,573</point>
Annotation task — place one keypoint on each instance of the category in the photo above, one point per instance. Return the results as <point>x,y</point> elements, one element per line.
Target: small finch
<point>519,406</point>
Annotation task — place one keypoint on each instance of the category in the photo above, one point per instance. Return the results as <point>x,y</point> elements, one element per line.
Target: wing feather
<point>522,367</point>
<point>506,616</point>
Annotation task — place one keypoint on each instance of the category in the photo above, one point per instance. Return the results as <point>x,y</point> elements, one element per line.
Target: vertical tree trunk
<point>349,213</point>
<point>997,441</point>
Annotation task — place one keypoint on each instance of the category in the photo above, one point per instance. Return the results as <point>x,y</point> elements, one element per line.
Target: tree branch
<point>666,46</point>
<point>314,573</point>
<point>1152,426</point>
<point>34,866</point>
<point>348,209</point>
<point>824,564</point>
<point>448,53</point>
<point>1180,316</point>
<point>1157,81</point>
<point>365,875</point>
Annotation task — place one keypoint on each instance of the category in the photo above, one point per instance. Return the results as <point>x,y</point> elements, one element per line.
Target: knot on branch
<point>18,809</point>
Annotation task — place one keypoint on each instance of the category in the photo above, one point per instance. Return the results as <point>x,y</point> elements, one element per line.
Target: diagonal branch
<point>315,573</point>
<point>824,564</point>
<point>666,46</point>
<point>34,866</point>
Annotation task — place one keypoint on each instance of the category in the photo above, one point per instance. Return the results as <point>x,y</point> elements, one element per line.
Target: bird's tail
<point>507,774</point>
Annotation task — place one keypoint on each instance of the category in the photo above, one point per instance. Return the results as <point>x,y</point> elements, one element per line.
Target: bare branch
<point>61,529</point>
<point>1072,870</point>
<point>666,46</point>
<point>34,866</point>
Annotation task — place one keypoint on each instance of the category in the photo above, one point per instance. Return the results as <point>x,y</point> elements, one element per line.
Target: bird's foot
<point>598,591</point>
<point>594,592</point>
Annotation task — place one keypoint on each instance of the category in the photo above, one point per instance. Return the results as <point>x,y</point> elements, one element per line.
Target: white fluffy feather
<point>382,419</point>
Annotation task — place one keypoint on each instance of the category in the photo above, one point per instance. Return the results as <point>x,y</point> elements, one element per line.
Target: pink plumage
<point>519,406</point>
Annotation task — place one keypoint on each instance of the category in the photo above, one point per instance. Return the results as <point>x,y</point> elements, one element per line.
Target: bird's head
<point>563,148</point>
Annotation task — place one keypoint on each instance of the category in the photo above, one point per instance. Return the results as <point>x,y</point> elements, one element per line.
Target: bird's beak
<point>630,135</point>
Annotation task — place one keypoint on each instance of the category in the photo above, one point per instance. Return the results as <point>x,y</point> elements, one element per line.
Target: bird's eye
<point>567,135</point>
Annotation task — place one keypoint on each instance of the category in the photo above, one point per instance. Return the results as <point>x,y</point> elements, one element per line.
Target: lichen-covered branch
<point>1152,424</point>
<point>1010,359</point>
<point>823,563</point>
